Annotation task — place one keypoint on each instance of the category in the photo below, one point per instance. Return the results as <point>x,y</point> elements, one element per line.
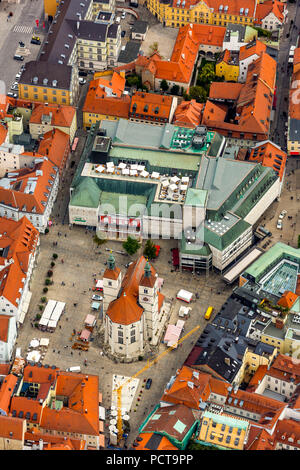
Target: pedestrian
<point>62,261</point>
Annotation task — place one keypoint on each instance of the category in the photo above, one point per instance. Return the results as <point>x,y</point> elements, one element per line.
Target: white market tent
<point>34,356</point>
<point>44,342</point>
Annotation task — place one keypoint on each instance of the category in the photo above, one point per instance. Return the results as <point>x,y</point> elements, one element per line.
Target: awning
<point>25,307</point>
<point>90,320</point>
<point>102,412</point>
<point>85,335</point>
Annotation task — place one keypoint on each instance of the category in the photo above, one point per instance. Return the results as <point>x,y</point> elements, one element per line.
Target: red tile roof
<point>61,116</point>
<point>270,6</point>
<point>16,196</point>
<point>255,47</point>
<point>253,103</point>
<point>225,90</point>
<point>151,105</point>
<point>166,418</point>
<point>6,391</point>
<point>116,84</point>
<point>181,392</point>
<point>125,309</point>
<point>55,145</point>
<point>20,240</point>
<point>3,133</point>
<point>4,326</point>
<point>188,114</point>
<point>288,299</point>
<point>97,102</point>
<point>234,6</point>
<point>270,155</point>
<point>12,428</point>
<point>164,444</point>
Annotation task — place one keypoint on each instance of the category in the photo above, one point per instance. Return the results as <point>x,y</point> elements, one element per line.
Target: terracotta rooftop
<point>188,114</point>
<point>55,146</point>
<point>59,115</point>
<point>12,428</point>
<point>270,6</point>
<point>4,326</point>
<point>15,192</point>
<point>181,391</point>
<point>164,420</point>
<point>17,243</point>
<point>287,299</point>
<point>151,104</point>
<point>152,441</point>
<point>234,6</point>
<point>97,102</point>
<point>269,154</point>
<point>116,83</point>
<point>255,47</point>
<point>125,309</point>
<point>6,391</point>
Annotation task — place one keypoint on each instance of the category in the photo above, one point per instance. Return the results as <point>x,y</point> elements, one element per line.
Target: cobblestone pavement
<point>77,249</point>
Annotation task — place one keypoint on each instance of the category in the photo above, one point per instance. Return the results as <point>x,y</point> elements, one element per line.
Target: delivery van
<point>74,369</point>
<point>208,313</point>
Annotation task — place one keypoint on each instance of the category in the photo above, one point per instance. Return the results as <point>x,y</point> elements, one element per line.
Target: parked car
<point>18,57</point>
<point>123,33</point>
<point>148,384</point>
<point>18,76</point>
<point>82,73</point>
<point>14,86</point>
<point>35,40</point>
<point>123,15</point>
<point>82,80</point>
<point>12,95</point>
<point>282,214</point>
<point>97,297</point>
<point>279,224</point>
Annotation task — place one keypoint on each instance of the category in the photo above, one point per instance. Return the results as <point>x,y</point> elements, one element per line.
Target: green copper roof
<point>196,197</point>
<point>271,257</point>
<point>86,194</point>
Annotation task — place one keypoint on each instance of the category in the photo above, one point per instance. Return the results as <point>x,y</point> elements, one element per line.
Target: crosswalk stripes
<point>19,28</point>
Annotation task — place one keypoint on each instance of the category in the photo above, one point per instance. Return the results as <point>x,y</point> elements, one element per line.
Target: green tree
<point>196,446</point>
<point>54,256</point>
<point>134,80</point>
<point>175,90</point>
<point>150,250</point>
<point>198,93</point>
<point>164,85</point>
<point>131,245</point>
<point>206,75</point>
<point>48,281</point>
<point>153,48</point>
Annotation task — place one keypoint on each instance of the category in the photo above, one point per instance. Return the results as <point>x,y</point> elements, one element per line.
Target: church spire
<point>111,262</point>
<point>147,269</point>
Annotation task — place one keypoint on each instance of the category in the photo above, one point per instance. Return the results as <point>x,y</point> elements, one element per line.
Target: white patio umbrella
<point>34,356</point>
<point>34,343</point>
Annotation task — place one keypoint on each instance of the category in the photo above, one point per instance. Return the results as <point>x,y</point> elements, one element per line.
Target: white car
<point>97,297</point>
<point>82,80</point>
<point>123,15</point>
<point>279,225</point>
<point>14,86</point>
<point>282,214</point>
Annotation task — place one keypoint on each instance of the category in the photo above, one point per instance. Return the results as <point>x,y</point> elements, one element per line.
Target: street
<point>278,127</point>
<point>20,27</point>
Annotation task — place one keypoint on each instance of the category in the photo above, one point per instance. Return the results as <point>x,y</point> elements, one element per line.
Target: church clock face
<point>146,299</point>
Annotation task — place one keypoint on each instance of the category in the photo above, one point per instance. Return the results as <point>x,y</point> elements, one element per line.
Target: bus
<point>208,313</point>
